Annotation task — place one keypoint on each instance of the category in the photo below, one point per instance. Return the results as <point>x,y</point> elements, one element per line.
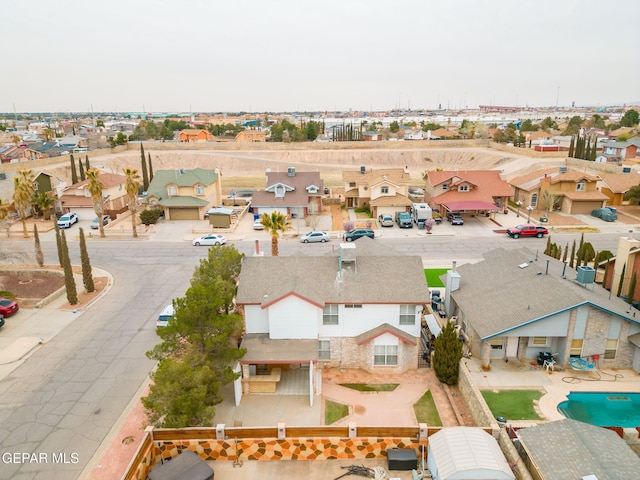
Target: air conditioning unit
<point>586,275</point>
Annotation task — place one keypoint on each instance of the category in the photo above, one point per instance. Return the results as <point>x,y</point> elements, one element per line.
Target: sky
<point>330,55</point>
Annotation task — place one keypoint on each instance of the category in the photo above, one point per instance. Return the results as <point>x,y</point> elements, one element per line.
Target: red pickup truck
<point>527,231</point>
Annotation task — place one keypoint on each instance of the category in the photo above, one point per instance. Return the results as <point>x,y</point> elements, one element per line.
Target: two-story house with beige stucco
<point>383,190</point>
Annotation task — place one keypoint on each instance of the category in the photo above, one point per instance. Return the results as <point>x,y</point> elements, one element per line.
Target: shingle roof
<point>584,449</point>
<point>106,179</point>
<point>299,197</point>
<point>489,183</point>
<point>500,296</point>
<point>183,201</point>
<point>394,175</point>
<point>378,275</point>
<point>391,201</point>
<point>180,177</point>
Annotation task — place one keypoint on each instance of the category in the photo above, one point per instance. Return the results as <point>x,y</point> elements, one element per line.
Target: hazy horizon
<point>338,55</point>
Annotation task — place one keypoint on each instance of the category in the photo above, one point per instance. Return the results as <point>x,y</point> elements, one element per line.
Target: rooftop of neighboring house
<point>181,178</point>
<point>531,181</point>
<point>620,182</point>
<point>398,176</point>
<point>107,180</point>
<point>296,195</point>
<point>487,184</point>
<point>319,279</point>
<point>527,287</point>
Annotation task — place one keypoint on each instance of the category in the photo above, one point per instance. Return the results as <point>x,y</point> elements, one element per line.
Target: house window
<point>463,188</point>
<point>580,186</point>
<point>576,348</point>
<point>352,184</point>
<point>279,191</point>
<point>445,187</point>
<point>611,348</point>
<point>172,191</point>
<point>534,200</point>
<point>538,342</point>
<point>407,314</point>
<point>496,343</point>
<point>384,189</point>
<point>330,315</point>
<point>385,355</point>
<point>199,190</point>
<point>324,349</point>
<point>353,305</point>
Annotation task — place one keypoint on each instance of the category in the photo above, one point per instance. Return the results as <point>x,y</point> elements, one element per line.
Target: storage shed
<point>220,217</point>
<point>459,453</point>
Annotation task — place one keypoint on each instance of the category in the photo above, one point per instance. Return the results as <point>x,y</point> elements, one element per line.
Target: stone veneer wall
<point>346,353</point>
<point>473,398</point>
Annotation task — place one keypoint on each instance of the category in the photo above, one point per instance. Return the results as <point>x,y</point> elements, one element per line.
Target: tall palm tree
<point>43,201</point>
<point>275,223</point>
<point>23,195</point>
<point>5,220</point>
<point>95,189</point>
<point>132,185</point>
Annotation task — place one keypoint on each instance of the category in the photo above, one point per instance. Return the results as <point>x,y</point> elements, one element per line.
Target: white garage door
<point>85,213</point>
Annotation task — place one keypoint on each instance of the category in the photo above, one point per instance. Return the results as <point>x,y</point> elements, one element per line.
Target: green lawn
<point>512,404</point>
<point>334,411</point>
<point>371,387</point>
<point>433,276</point>
<point>426,411</point>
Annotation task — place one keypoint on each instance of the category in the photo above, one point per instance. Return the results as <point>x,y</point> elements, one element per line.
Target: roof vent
<point>523,265</point>
<point>291,171</point>
<point>563,169</point>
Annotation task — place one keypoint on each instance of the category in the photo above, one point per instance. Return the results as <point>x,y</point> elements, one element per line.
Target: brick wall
<point>346,353</point>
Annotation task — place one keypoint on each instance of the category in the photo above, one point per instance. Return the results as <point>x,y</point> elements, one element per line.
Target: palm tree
<point>95,189</point>
<point>43,201</point>
<point>5,220</point>
<point>275,223</point>
<point>132,185</point>
<point>22,196</point>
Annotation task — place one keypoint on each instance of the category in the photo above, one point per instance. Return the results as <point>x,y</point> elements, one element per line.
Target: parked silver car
<point>211,239</point>
<point>315,237</point>
<point>385,220</point>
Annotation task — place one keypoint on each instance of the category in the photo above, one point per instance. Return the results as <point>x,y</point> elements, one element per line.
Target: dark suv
<point>357,233</point>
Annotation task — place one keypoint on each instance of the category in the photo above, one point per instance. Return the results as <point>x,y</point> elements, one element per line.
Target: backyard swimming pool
<point>604,409</point>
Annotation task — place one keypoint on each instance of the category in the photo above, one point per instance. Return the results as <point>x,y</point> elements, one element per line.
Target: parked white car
<point>315,237</point>
<point>211,239</point>
<point>68,219</point>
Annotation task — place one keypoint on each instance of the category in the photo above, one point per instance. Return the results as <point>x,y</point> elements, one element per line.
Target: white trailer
<point>421,212</point>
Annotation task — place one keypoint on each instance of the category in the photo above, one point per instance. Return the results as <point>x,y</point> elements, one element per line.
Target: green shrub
<point>150,216</point>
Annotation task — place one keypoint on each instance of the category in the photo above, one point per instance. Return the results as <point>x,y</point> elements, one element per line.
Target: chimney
<point>257,252</point>
<point>452,283</point>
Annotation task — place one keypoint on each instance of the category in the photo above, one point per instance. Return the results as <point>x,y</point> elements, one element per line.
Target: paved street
<point>69,393</point>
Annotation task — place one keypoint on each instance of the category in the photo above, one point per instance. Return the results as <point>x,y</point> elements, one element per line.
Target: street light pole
<point>519,204</point>
<point>529,208</point>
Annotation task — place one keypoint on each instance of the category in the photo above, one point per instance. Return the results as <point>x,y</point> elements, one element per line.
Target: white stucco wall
<point>354,321</point>
<point>256,319</point>
<point>293,317</point>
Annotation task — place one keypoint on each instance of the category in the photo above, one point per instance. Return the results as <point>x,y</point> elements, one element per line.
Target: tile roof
<point>488,184</point>
<point>497,308</point>
<point>378,275</point>
<point>585,450</point>
<point>107,180</point>
<point>391,201</point>
<point>620,182</point>
<point>531,181</point>
<point>582,196</point>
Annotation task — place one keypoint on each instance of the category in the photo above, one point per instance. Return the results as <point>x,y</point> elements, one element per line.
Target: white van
<point>165,315</point>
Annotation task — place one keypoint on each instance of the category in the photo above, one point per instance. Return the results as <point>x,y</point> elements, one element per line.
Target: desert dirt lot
<point>245,168</point>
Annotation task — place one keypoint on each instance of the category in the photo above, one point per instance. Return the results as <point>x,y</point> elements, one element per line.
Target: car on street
<point>315,237</point>
<point>105,220</point>
<point>527,230</point>
<point>358,233</point>
<point>68,219</point>
<point>455,219</point>
<point>257,225</point>
<point>8,307</point>
<point>385,220</point>
<point>211,239</point>
<point>166,314</point>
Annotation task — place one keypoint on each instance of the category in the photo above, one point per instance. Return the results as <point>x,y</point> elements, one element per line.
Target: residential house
<point>466,191</point>
<point>18,153</point>
<point>563,142</point>
<point>358,307</point>
<point>588,452</point>
<point>185,194</point>
<point>251,136</point>
<point>515,303</point>
<point>294,194</point>
<point>449,132</point>
<point>195,135</point>
<point>623,267</point>
<point>382,191</point>
<point>614,134</point>
<point>614,151</point>
<point>615,185</point>
<point>372,136</point>
<point>77,198</point>
<point>565,189</point>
